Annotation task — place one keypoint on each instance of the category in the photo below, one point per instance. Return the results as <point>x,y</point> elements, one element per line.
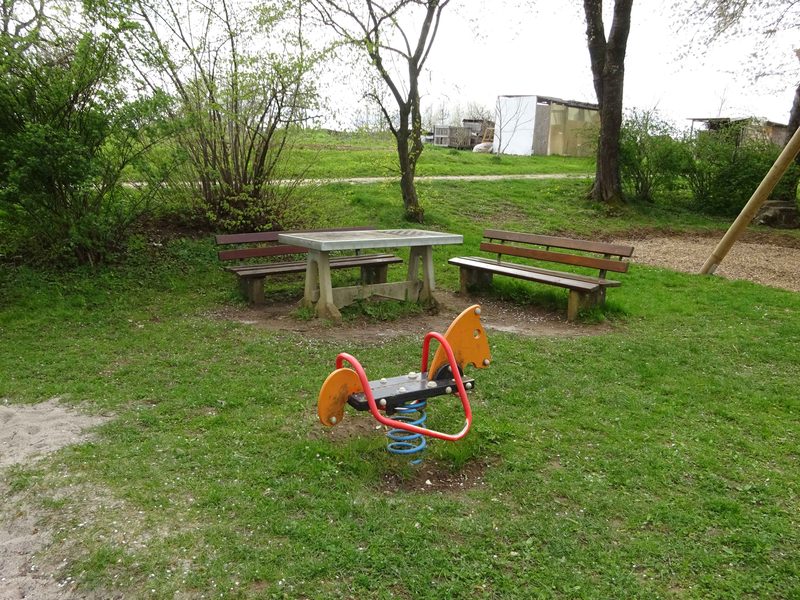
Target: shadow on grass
<point>523,293</point>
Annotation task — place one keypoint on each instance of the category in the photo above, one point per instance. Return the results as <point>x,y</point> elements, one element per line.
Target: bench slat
<point>299,266</point>
<point>272,236</point>
<point>363,259</point>
<point>258,252</point>
<point>559,242</point>
<point>559,257</point>
<point>576,276</point>
<point>512,271</point>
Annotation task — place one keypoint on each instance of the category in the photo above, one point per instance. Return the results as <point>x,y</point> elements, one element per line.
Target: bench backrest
<point>603,264</point>
<point>267,236</point>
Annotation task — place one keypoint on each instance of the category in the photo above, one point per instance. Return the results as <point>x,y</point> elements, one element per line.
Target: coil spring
<point>405,442</point>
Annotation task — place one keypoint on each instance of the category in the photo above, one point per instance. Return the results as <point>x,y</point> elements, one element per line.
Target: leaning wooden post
<point>751,208</point>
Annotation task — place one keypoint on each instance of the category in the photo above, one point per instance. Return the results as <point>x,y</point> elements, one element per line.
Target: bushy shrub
<point>652,157</point>
<point>728,166</point>
<point>67,135</point>
<point>243,83</point>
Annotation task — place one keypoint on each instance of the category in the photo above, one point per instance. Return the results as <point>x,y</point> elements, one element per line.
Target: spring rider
<point>406,396</point>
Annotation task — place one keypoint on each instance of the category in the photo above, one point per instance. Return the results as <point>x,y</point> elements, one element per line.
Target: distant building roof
<point>554,100</point>
<point>737,120</point>
<point>718,119</point>
<point>572,103</point>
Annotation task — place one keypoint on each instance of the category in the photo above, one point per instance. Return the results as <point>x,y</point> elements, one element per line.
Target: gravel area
<point>766,264</point>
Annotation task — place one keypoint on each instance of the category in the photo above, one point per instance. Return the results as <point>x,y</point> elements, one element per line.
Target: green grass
<point>360,156</point>
<point>659,459</point>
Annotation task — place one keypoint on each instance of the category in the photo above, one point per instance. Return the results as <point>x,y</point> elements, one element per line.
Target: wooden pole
<point>751,208</point>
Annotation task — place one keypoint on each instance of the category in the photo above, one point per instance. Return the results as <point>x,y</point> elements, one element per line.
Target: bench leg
<point>472,278</point>
<point>579,301</point>
<point>253,288</point>
<point>372,275</point>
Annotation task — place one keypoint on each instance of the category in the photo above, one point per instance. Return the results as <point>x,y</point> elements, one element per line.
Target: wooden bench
<point>374,267</point>
<point>584,291</point>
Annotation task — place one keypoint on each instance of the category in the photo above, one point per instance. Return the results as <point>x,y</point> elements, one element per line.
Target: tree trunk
<point>787,189</point>
<point>608,182</point>
<point>608,72</point>
<point>407,157</point>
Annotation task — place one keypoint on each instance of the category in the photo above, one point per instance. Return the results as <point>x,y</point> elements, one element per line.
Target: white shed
<point>544,125</point>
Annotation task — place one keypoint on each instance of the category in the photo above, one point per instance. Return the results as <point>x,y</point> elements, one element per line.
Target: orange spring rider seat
<point>464,343</point>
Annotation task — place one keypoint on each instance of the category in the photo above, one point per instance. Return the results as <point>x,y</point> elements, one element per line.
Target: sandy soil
<point>496,316</point>
<point>38,429</point>
<point>763,263</point>
<point>29,432</point>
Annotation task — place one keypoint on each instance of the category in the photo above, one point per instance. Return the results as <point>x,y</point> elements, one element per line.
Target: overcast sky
<point>485,49</point>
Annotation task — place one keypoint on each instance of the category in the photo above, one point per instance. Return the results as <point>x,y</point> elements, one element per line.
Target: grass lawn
<point>657,460</point>
<point>334,157</point>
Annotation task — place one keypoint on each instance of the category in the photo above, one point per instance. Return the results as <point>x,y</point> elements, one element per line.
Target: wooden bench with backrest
<point>374,267</point>
<point>584,291</point>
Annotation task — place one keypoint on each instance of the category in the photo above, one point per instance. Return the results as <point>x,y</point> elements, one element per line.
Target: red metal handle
<point>373,407</point>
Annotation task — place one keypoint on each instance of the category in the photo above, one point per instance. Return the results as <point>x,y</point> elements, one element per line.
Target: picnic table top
<point>358,240</point>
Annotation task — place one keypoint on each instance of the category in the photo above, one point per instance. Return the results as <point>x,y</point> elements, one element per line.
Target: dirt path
<point>360,180</point>
<point>357,180</point>
<point>496,316</point>
<point>28,431</point>
<point>767,264</point>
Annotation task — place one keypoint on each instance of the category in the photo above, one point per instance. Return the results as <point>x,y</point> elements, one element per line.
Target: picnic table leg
<point>414,257</point>
<point>428,283</point>
<point>326,309</point>
<point>424,255</point>
<point>312,281</point>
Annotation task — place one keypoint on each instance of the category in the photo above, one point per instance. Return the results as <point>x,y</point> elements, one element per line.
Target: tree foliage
<point>242,80</point>
<point>382,33</point>
<point>727,166</point>
<point>22,23</point>
<point>770,28</point>
<point>652,156</point>
<point>68,133</point>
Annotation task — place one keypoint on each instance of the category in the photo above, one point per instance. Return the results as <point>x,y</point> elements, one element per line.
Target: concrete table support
<point>318,279</point>
<point>327,300</point>
<point>424,255</point>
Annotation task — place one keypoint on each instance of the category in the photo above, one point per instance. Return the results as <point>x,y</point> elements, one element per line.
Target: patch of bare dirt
<point>760,261</point>
<point>355,425</point>
<point>432,477</point>
<point>28,431</point>
<point>554,465</point>
<point>20,541</point>
<point>39,429</point>
<point>496,316</point>
<point>501,212</point>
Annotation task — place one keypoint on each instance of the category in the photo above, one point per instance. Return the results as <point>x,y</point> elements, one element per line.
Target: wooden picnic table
<point>327,300</point>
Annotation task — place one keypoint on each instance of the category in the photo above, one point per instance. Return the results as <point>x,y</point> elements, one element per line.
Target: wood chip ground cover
<point>766,264</point>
